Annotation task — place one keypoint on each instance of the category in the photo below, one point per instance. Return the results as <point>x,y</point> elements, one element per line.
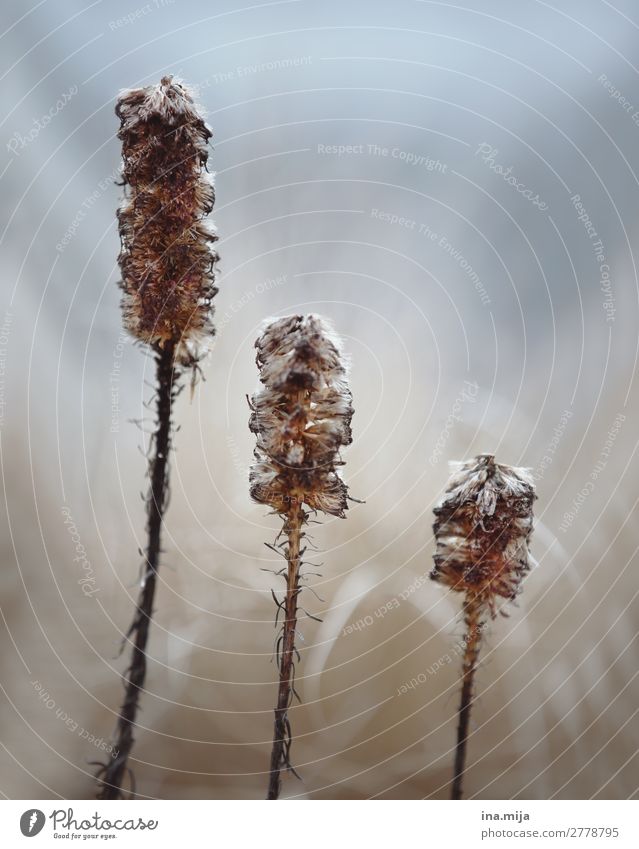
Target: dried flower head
<point>482,529</point>
<point>167,257</point>
<point>301,417</point>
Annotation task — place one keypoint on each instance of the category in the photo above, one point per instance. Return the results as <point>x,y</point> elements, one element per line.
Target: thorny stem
<point>472,616</point>
<point>111,776</point>
<point>282,730</point>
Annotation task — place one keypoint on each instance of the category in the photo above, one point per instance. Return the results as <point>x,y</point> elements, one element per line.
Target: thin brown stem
<point>282,729</point>
<point>112,775</point>
<point>472,616</point>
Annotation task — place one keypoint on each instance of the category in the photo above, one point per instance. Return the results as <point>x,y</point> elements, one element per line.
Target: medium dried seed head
<point>167,258</point>
<point>301,417</point>
<point>482,529</point>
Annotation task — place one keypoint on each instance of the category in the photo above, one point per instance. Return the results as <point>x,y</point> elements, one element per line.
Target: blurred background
<point>456,188</point>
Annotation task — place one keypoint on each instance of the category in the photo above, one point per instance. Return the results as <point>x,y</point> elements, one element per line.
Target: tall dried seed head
<point>482,529</point>
<point>167,258</point>
<point>301,417</point>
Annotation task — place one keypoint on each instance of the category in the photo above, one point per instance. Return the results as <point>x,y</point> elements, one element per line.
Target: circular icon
<point>32,822</point>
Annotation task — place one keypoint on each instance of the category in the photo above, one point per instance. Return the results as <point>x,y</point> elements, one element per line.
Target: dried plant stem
<point>282,731</point>
<point>111,779</point>
<point>472,641</point>
<point>301,416</point>
<point>482,530</point>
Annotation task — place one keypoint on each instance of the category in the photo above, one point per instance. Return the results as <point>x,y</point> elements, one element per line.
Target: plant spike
<point>301,417</point>
<point>482,531</point>
<point>166,261</point>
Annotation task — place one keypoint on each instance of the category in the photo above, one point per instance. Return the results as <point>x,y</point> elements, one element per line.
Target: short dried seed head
<point>301,417</point>
<point>167,257</point>
<point>482,529</point>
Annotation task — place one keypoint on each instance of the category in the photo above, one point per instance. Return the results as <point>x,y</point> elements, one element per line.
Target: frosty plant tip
<point>167,256</point>
<point>482,530</point>
<point>301,418</point>
<point>166,261</point>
